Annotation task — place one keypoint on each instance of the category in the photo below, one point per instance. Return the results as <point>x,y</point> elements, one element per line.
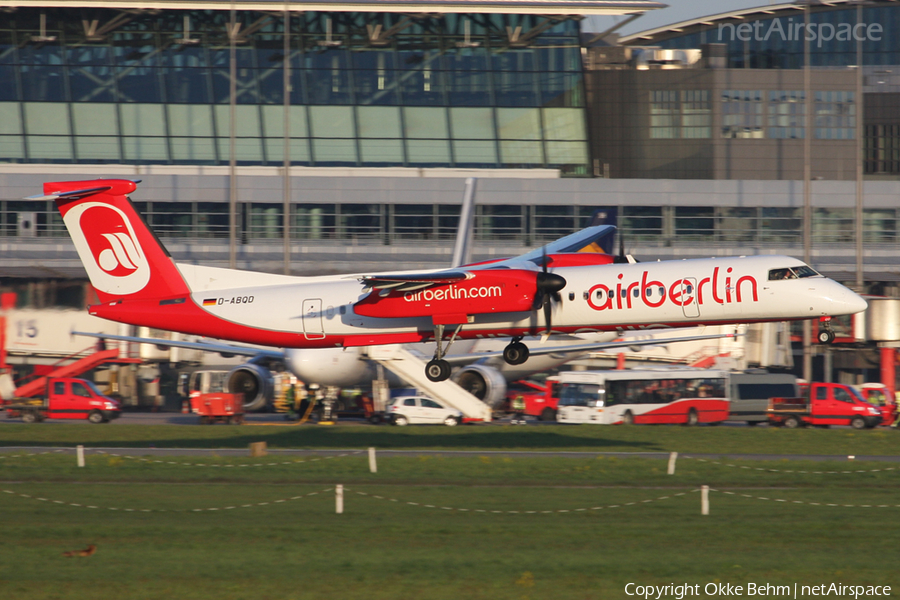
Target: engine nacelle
<point>254,382</point>
<point>331,366</point>
<point>484,382</point>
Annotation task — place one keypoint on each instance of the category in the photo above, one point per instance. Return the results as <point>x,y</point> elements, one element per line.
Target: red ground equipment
<point>219,408</point>
<point>540,400</point>
<point>824,404</point>
<point>65,398</point>
<point>880,396</point>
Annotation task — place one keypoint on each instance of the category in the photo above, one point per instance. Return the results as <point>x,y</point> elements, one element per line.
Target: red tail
<point>122,257</point>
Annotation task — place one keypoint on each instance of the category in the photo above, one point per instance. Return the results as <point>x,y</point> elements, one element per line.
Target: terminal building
<point>688,133</point>
<point>352,136</point>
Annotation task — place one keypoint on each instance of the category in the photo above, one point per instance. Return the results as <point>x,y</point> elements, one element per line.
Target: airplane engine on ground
<point>331,366</point>
<point>254,382</point>
<point>484,382</point>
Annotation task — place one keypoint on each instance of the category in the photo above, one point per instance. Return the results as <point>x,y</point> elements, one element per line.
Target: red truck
<point>540,400</point>
<point>824,404</point>
<point>66,398</point>
<point>879,395</point>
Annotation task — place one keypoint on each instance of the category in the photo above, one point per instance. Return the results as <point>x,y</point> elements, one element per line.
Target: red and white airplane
<point>563,287</point>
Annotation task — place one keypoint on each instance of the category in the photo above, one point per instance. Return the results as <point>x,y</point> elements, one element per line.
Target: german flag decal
<point>209,302</point>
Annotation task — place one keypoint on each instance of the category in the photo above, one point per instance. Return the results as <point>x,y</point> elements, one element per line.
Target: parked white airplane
<point>556,289</point>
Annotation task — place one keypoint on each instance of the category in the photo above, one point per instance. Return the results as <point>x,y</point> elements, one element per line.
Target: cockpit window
<point>805,271</point>
<point>792,273</point>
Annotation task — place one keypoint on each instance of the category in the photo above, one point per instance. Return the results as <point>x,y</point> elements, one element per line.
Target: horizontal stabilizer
<point>72,195</point>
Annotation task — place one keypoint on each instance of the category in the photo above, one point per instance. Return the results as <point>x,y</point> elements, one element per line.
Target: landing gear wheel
<point>437,370</point>
<point>515,353</point>
<point>826,336</point>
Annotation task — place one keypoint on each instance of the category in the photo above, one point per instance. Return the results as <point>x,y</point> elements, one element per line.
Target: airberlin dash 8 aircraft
<point>564,287</point>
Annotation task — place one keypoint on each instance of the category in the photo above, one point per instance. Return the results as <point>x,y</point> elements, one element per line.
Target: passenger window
<point>409,402</point>
<point>821,393</point>
<point>59,388</point>
<point>430,404</point>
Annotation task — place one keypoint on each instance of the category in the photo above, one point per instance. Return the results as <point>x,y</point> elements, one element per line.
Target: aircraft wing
<point>592,239</point>
<point>225,350</point>
<point>576,349</point>
<point>407,282</point>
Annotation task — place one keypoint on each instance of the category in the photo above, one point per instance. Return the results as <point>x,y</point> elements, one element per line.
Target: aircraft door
<point>312,319</point>
<point>689,304</point>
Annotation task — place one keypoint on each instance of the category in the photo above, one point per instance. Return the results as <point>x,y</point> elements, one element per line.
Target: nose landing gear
<point>826,333</point>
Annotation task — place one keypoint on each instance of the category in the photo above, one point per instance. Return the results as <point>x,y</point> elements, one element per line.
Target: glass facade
<point>365,89</point>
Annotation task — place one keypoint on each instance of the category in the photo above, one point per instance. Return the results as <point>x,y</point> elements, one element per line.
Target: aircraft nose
<point>857,303</point>
<point>848,302</point>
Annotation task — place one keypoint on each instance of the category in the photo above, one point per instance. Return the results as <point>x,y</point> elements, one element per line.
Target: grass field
<point>762,440</point>
<point>432,527</point>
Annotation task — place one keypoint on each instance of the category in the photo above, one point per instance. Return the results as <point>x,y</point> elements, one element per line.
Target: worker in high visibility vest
<point>518,406</point>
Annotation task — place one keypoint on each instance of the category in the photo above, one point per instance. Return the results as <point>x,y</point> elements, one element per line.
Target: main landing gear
<point>437,368</point>
<point>516,352</point>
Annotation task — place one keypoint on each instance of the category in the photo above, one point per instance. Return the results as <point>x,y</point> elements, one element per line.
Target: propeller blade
<point>548,313</point>
<point>548,286</point>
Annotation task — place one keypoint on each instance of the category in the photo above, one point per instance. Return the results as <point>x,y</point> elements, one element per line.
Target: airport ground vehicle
<point>824,404</point>
<point>880,396</point>
<point>648,396</point>
<point>541,401</point>
<point>749,394</point>
<point>406,410</point>
<point>218,408</point>
<point>66,398</point>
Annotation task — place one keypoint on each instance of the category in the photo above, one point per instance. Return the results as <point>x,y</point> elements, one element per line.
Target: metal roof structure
<point>543,7</point>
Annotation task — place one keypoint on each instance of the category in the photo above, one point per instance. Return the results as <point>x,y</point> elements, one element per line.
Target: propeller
<point>548,287</point>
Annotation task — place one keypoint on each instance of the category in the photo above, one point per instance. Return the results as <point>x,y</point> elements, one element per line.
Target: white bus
<point>648,396</point>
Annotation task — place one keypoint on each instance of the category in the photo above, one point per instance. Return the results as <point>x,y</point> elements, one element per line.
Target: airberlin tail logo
<point>109,248</point>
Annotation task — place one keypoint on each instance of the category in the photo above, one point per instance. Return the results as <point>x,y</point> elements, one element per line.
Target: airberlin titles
<point>682,292</point>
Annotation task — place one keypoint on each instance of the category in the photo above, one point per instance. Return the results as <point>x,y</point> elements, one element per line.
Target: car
<point>406,410</point>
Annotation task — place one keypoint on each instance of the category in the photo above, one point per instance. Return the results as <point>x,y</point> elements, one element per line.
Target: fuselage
<point>320,312</point>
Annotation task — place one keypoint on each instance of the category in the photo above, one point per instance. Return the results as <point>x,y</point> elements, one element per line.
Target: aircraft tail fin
<point>122,256</point>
